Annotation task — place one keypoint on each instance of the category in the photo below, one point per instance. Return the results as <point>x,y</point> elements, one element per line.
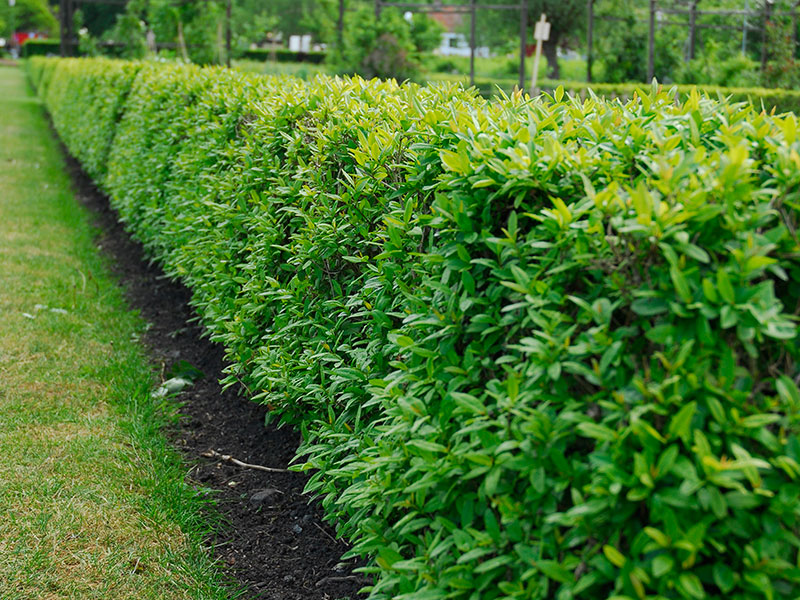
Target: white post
<point>540,34</point>
<point>13,46</point>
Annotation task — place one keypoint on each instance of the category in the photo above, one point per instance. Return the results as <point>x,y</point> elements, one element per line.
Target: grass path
<point>93,502</point>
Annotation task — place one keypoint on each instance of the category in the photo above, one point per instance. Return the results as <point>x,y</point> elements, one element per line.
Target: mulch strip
<point>274,540</point>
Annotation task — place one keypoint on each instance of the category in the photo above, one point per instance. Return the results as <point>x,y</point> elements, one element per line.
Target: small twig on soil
<point>333,539</point>
<point>238,463</point>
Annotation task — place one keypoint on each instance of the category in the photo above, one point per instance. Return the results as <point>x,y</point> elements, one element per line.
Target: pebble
<point>264,496</point>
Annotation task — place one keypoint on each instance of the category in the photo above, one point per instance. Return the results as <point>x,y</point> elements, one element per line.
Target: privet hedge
<point>537,349</point>
<point>770,99</point>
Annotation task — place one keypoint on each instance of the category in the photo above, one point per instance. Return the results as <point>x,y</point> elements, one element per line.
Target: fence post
<point>523,40</point>
<point>340,24</point>
<point>589,39</point>
<point>765,24</point>
<point>692,28</point>
<point>62,28</point>
<point>472,42</point>
<point>651,43</point>
<point>228,34</point>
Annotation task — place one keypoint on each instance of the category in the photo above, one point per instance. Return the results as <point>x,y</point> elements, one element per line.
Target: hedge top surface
<point>537,348</point>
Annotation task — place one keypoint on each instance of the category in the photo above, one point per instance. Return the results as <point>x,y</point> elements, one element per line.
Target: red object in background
<point>20,37</point>
<point>530,49</point>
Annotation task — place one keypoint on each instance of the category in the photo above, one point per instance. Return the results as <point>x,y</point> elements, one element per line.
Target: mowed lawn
<point>93,502</point>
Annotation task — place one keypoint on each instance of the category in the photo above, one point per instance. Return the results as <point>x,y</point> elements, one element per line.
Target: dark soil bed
<point>274,541</point>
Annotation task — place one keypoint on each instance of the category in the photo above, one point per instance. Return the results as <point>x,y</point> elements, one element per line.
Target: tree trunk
<point>182,41</point>
<point>549,49</point>
<point>220,51</point>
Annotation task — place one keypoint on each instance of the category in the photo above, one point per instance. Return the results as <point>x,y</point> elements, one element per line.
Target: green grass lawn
<point>93,502</point>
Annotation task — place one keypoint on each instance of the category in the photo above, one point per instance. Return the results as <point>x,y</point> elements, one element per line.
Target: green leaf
<point>596,431</point>
<point>493,563</point>
<point>454,162</point>
<point>724,286</point>
<point>691,584</point>
<point>724,577</point>
<point>742,500</point>
<point>754,421</point>
<point>469,403</point>
<point>696,253</point>
<point>716,409</point>
<point>709,291</point>
<point>787,390</point>
<point>679,281</point>
<point>657,536</point>
<point>661,334</point>
<point>728,317</point>
<point>680,425</point>
<point>667,460</point>
<point>554,571</point>
<point>648,307</point>
<point>426,446</point>
<point>563,210</point>
<point>403,341</point>
<point>614,556</point>
<point>662,564</point>
<point>388,556</point>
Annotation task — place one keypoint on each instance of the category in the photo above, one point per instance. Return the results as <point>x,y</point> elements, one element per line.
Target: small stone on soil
<point>264,496</point>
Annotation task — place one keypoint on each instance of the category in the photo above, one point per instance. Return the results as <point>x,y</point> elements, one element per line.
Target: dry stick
<point>333,539</point>
<point>230,459</point>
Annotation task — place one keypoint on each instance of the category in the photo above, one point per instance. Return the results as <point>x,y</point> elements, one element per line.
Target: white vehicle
<point>457,44</point>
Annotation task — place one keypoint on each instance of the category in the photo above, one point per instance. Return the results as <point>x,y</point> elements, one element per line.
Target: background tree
<point>99,18</point>
<point>426,33</point>
<point>782,69</point>
<point>500,29</point>
<point>568,20</point>
<point>130,30</point>
<point>370,48</point>
<point>29,15</point>
<point>621,43</point>
<point>296,17</point>
<point>252,20</point>
<point>196,28</point>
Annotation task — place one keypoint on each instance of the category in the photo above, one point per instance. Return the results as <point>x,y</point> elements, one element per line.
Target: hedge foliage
<point>40,47</point>
<point>284,55</point>
<point>537,349</point>
<point>781,100</point>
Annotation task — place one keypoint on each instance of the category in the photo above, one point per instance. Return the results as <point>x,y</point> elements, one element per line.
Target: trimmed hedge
<point>40,47</point>
<point>284,55</point>
<point>537,349</point>
<point>86,100</point>
<point>781,100</point>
